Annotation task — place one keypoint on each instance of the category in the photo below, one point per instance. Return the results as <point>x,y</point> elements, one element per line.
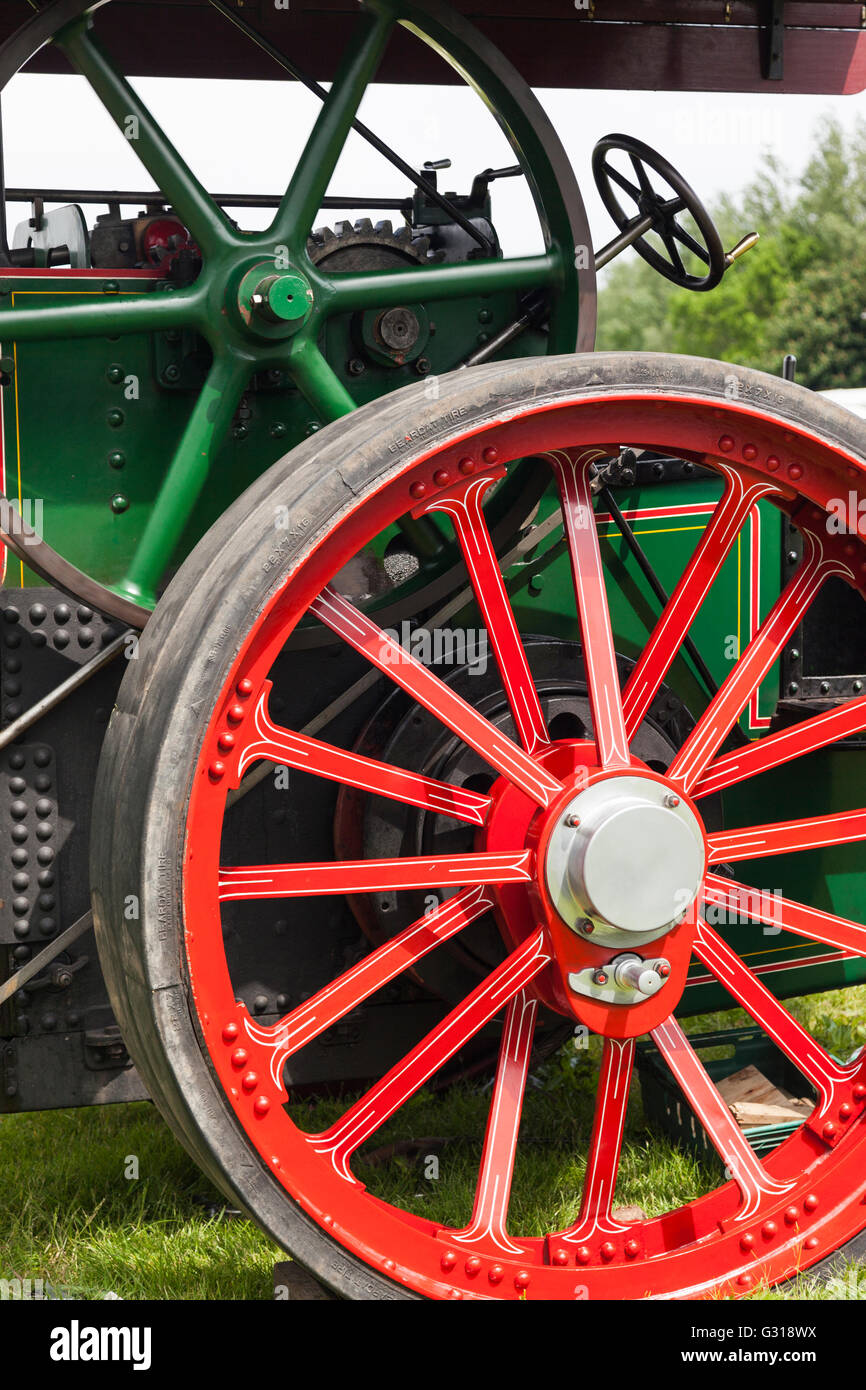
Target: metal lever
<point>629,234</point>
<point>743,245</point>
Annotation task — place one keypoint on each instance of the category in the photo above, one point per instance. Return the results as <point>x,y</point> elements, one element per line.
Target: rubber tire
<point>168,693</point>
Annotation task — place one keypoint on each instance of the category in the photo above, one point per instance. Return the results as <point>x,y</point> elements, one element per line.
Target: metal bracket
<point>627,979</point>
<point>774,54</point>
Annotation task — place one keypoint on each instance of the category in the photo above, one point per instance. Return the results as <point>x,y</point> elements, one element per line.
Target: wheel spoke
<point>316,379</point>
<point>641,174</point>
<point>778,912</point>
<point>329,1005</point>
<point>593,613</point>
<point>674,623</point>
<point>382,288</point>
<point>673,251</point>
<point>611,1104</point>
<point>490,1210</point>
<point>824,1072</point>
<point>463,505</point>
<point>786,837</point>
<point>309,183</point>
<point>721,1128</point>
<point>776,749</point>
<point>725,708</point>
<point>289,749</point>
<point>205,220</point>
<point>689,241</point>
<point>152,312</point>
<point>631,189</point>
<point>383,651</point>
<point>187,474</point>
<point>373,875</point>
<point>379,1103</point>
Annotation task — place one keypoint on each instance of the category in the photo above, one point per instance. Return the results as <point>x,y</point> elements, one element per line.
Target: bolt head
<point>672,801</point>
<point>572,821</point>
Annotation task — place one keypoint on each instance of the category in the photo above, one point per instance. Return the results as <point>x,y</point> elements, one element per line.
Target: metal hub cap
<point>282,298</point>
<point>274,304</point>
<point>627,854</point>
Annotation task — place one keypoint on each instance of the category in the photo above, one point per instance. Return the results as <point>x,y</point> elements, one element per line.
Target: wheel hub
<point>626,858</point>
<point>282,298</point>
<point>273,303</point>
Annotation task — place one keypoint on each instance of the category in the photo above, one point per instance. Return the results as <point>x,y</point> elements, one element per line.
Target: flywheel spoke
<point>721,1128</point>
<point>205,220</point>
<point>187,474</point>
<point>725,708</point>
<point>779,912</point>
<point>314,376</point>
<point>786,837</point>
<point>605,1145</point>
<point>286,748</point>
<point>824,1072</point>
<point>675,621</point>
<point>349,990</point>
<point>463,505</point>
<point>117,314</point>
<point>373,875</point>
<point>381,289</point>
<point>378,1104</point>
<point>493,1191</point>
<point>309,183</point>
<point>776,749</point>
<point>593,613</point>
<point>383,651</point>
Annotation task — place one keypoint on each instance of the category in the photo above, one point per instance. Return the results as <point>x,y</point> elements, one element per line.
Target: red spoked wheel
<point>596,866</point>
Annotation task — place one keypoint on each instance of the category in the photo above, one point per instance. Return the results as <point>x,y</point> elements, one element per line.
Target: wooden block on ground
<point>753,1100</point>
<point>748,1114</point>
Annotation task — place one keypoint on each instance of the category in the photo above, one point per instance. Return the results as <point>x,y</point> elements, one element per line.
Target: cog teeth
<point>343,229</point>
<point>323,235</point>
<point>403,234</point>
<point>436,257</point>
<point>422,245</point>
<point>364,226</point>
<point>384,229</point>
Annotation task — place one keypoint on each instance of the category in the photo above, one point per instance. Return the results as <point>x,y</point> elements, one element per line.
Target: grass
<point>70,1215</point>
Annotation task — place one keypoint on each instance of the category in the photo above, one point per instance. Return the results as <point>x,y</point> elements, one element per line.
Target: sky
<point>244,137</point>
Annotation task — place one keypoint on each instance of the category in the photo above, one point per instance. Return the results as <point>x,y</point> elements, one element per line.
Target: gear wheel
<point>364,247</point>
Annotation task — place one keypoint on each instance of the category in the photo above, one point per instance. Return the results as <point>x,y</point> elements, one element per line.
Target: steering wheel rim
<point>650,202</point>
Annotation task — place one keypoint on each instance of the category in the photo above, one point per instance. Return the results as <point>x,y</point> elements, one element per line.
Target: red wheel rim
<point>772,1217</point>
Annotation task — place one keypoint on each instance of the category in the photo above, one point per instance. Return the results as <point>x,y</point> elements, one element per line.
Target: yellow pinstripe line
<point>664,531</point>
<point>17,413</point>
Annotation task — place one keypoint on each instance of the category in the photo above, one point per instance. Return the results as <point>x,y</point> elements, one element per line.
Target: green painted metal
<point>259,304</point>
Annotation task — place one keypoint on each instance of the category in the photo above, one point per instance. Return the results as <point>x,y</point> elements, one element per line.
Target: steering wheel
<point>662,206</point>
